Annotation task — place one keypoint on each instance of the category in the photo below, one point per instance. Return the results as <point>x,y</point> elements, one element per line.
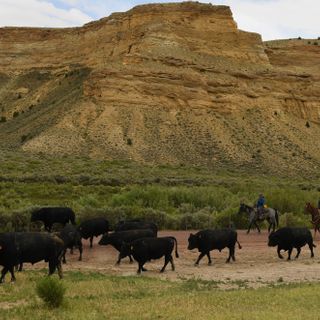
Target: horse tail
<point>277,217</point>
<point>239,245</point>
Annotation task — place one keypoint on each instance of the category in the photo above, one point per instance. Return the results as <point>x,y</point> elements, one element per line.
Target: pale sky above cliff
<point>273,19</point>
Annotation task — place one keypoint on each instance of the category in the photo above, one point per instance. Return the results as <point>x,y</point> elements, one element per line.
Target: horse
<point>269,214</point>
<point>315,216</point>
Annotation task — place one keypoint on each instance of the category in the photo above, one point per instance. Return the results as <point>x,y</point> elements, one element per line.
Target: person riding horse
<point>261,205</point>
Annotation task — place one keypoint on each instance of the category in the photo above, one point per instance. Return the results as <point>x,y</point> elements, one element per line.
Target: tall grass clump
<point>51,291</point>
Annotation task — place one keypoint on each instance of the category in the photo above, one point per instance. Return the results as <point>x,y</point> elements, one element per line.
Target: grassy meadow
<point>176,197</point>
<point>97,296</point>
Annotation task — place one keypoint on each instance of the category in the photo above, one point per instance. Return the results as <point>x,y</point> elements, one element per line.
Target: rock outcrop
<point>162,83</point>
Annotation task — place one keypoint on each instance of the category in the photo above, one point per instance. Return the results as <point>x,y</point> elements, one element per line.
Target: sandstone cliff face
<point>171,83</point>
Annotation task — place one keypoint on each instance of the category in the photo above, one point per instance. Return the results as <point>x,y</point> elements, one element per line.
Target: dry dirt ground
<point>256,264</point>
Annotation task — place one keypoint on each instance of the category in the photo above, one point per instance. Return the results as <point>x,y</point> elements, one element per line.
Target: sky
<point>273,19</point>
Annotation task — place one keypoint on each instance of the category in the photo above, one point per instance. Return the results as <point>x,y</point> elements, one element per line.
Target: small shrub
<point>51,291</point>
<point>299,38</point>
<point>307,124</point>
<point>129,142</point>
<point>15,114</point>
<point>3,119</point>
<point>315,43</point>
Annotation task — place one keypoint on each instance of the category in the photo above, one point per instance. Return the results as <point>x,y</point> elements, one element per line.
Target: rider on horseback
<point>261,205</point>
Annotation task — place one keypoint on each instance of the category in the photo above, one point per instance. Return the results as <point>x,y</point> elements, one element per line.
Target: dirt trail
<point>256,264</point>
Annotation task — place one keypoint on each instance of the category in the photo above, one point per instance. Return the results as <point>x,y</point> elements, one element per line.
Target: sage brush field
<point>175,197</point>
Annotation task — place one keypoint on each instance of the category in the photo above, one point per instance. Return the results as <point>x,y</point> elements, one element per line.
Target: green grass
<point>98,296</point>
<point>176,197</point>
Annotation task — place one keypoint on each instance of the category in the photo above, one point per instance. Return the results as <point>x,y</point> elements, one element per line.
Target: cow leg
<point>59,267</point>
<point>119,260</point>
<point>52,267</point>
<point>231,254</point>
<point>172,264</point>
<point>80,251</point>
<point>20,267</point>
<point>289,253</point>
<point>298,252</point>
<point>13,278</point>
<point>202,254</point>
<point>209,259</point>
<point>48,227</point>
<point>166,261</point>
<point>3,274</point>
<point>279,254</point>
<point>64,256</point>
<point>310,244</point>
<point>130,257</point>
<point>71,250</point>
<point>269,227</point>
<point>91,240</point>
<point>140,267</point>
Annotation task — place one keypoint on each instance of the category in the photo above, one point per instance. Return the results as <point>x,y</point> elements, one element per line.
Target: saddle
<point>261,213</point>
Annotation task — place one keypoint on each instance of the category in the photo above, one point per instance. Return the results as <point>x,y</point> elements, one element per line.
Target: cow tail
<point>277,217</point>
<point>314,245</point>
<point>239,245</point>
<point>176,243</point>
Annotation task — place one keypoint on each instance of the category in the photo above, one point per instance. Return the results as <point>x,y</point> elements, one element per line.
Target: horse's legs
<point>298,252</point>
<point>250,224</point>
<point>257,226</point>
<point>269,228</point>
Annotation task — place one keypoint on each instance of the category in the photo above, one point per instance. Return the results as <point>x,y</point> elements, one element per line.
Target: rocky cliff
<point>162,83</point>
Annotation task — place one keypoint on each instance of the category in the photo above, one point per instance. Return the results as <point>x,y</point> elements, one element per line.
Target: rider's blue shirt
<point>261,202</point>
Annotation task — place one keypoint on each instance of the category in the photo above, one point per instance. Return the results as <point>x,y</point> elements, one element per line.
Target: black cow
<point>147,249</point>
<point>19,247</point>
<point>288,238</point>
<point>51,215</point>
<point>207,240</point>
<point>134,225</point>
<point>116,239</point>
<point>71,238</point>
<point>93,228</point>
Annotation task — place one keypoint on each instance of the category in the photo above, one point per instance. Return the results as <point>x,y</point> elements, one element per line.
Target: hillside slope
<point>170,83</point>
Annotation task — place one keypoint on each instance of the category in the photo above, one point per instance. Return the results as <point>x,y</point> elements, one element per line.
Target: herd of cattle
<point>135,239</point>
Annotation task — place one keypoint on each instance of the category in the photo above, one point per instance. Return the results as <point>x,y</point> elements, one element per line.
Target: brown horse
<point>315,216</point>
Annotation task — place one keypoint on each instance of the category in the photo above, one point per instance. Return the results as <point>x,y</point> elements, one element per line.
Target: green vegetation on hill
<point>174,197</point>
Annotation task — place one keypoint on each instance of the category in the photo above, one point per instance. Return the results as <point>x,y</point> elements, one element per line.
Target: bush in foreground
<point>51,291</point>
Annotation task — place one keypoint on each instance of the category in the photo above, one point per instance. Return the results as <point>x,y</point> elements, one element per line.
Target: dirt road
<point>256,264</point>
